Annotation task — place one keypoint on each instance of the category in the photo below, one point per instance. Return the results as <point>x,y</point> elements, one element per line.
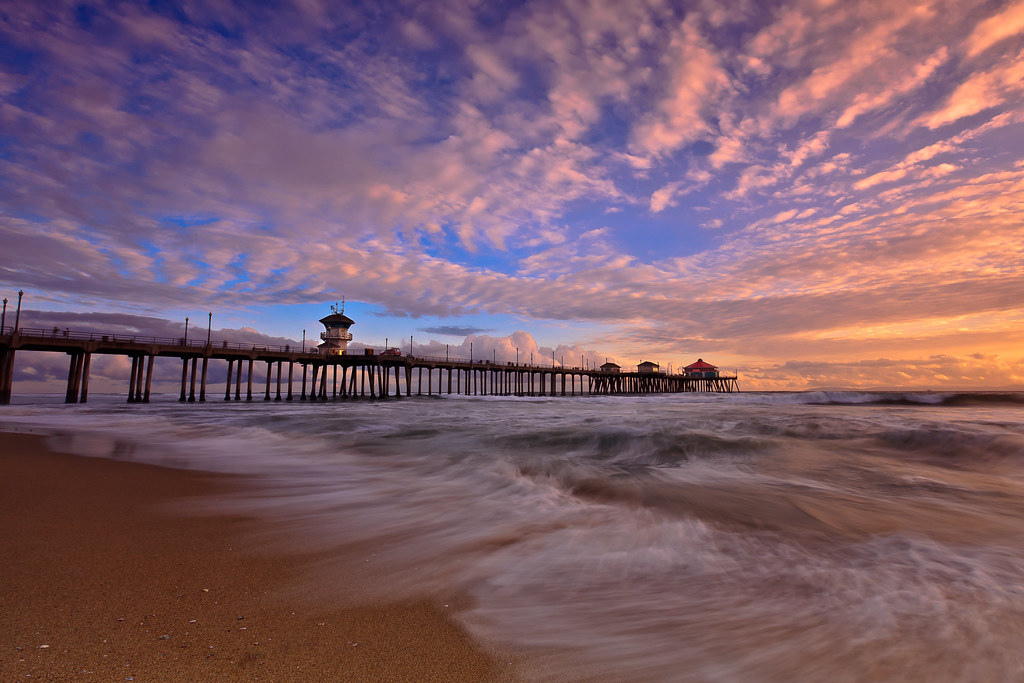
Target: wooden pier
<point>324,377</point>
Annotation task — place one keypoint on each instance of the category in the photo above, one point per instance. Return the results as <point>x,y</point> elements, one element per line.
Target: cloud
<point>978,93</point>
<point>938,372</point>
<point>696,80</point>
<point>453,330</point>
<point>662,198</point>
<point>996,28</point>
<point>916,77</point>
<point>728,150</point>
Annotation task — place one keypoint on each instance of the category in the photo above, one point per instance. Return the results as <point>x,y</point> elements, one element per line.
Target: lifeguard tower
<point>336,337</point>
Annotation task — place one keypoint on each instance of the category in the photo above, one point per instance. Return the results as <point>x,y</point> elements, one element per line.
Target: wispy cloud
<point>454,331</point>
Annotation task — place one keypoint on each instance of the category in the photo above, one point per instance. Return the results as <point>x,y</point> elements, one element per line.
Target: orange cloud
<point>978,93</point>
<point>998,27</point>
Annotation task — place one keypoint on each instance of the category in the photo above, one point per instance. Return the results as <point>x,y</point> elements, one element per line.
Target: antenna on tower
<point>343,305</point>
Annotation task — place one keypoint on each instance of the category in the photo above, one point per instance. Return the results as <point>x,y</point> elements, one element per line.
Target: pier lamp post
<point>3,317</point>
<point>385,343</point>
<point>517,355</point>
<point>531,357</point>
<point>17,315</point>
<point>410,344</point>
<point>303,344</point>
<point>186,331</point>
<point>209,327</point>
<point>470,353</point>
<point>445,353</point>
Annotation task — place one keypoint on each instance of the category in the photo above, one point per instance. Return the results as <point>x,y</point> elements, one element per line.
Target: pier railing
<point>480,362</point>
<point>55,333</point>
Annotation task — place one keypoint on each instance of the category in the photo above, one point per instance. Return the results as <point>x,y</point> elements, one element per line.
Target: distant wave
<point>904,398</point>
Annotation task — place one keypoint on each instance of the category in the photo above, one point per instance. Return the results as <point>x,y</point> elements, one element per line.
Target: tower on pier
<point>336,337</point>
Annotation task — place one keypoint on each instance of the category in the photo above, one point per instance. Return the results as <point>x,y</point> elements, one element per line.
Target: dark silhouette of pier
<point>353,374</point>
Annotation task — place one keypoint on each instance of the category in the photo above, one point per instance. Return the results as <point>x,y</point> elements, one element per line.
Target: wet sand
<point>104,579</point>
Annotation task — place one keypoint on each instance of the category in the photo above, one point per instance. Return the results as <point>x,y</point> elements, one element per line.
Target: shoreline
<point>105,576</point>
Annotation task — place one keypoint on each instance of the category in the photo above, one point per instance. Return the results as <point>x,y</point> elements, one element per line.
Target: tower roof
<point>700,365</point>
<point>337,320</point>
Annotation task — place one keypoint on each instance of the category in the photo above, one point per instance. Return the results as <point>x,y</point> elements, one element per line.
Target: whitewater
<point>817,536</point>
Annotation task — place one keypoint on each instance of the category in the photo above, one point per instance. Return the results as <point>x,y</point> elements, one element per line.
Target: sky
<point>813,193</point>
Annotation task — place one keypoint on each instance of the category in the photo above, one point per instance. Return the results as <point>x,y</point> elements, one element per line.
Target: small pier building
<point>700,369</point>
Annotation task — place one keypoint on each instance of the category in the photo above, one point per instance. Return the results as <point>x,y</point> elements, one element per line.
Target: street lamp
<point>303,343</point>
<point>17,316</point>
<point>186,331</point>
<point>3,317</point>
<point>209,328</point>
<point>410,344</point>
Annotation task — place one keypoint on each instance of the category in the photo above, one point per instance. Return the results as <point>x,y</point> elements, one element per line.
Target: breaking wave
<point>757,536</point>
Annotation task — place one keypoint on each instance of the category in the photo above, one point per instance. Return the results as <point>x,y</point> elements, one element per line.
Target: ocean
<point>818,536</point>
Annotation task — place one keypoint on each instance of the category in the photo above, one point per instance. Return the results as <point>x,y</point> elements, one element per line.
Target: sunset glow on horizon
<point>813,193</point>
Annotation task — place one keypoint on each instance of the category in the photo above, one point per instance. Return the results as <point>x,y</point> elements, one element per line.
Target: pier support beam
<point>74,377</point>
<point>291,368</point>
<point>277,396</point>
<point>227,384</point>
<point>270,376</point>
<point>6,375</point>
<point>149,378</point>
<point>131,379</point>
<point>184,378</point>
<point>248,389</point>
<point>139,380</point>
<point>192,380</point>
<point>202,381</point>
<point>312,381</point>
<point>85,377</point>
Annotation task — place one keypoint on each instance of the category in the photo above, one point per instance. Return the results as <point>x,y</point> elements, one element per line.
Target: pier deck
<point>361,375</point>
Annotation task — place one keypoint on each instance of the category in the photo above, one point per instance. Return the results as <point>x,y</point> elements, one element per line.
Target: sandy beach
<point>103,580</point>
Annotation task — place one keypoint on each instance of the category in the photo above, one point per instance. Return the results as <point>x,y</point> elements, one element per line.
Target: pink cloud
<point>696,80</point>
<point>918,75</point>
<point>995,29</point>
<point>979,92</point>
